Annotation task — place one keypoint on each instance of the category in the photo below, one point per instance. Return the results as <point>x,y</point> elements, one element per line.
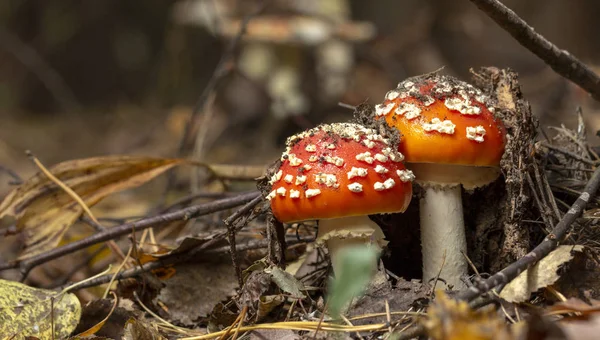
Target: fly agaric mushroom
<point>450,137</point>
<point>338,174</point>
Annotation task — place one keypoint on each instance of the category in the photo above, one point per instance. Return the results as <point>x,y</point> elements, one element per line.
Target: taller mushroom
<point>450,137</point>
<point>339,174</point>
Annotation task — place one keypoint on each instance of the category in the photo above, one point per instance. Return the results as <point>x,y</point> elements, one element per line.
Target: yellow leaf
<point>540,275</point>
<point>449,319</point>
<point>44,211</point>
<point>27,311</point>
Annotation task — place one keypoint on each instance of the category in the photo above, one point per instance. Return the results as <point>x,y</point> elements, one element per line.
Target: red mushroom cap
<point>339,170</point>
<point>444,121</point>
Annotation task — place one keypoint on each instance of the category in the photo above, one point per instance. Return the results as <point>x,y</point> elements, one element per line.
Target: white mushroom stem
<point>443,234</point>
<point>345,231</point>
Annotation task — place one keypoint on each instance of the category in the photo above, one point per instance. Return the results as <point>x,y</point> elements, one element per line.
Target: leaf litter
<point>203,295</point>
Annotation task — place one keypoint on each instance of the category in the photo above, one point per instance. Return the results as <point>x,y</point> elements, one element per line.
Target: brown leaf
<point>44,211</point>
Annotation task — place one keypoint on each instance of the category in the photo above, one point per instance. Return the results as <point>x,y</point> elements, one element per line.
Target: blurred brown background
<point>84,78</point>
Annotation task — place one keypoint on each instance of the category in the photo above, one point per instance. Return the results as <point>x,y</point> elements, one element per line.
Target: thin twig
<point>570,154</point>
<point>243,210</point>
<point>231,230</point>
<point>561,61</point>
<point>114,232</point>
<point>182,257</point>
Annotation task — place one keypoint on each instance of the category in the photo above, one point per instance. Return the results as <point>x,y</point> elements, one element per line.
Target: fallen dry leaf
<point>30,312</point>
<point>540,275</point>
<point>450,319</point>
<point>266,304</point>
<point>44,211</point>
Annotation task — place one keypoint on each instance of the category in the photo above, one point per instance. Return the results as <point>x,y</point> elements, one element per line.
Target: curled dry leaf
<point>540,275</point>
<point>268,303</point>
<point>44,211</point>
<point>29,312</point>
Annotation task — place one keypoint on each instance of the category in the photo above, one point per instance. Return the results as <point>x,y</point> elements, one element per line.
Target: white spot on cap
<point>381,158</point>
<point>276,177</point>
<point>357,172</point>
<point>334,160</point>
<point>355,187</point>
<point>408,110</point>
<point>394,156</point>
<point>436,124</point>
<point>300,179</point>
<point>294,193</point>
<point>294,161</point>
<point>462,104</point>
<point>365,157</point>
<point>369,143</point>
<point>329,180</point>
<point>387,184</point>
<point>476,133</point>
<point>288,178</point>
<point>405,175</point>
<point>271,195</point>
<point>307,167</point>
<point>382,110</point>
<point>391,95</point>
<point>281,191</point>
<point>381,169</point>
<point>312,193</point>
<point>407,84</point>
<point>311,148</point>
<point>312,158</point>
<point>331,146</point>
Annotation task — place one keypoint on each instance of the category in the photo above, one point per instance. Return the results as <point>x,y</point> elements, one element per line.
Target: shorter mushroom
<point>450,138</point>
<point>339,174</point>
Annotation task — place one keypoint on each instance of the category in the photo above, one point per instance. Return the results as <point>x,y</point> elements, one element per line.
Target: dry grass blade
<point>44,211</point>
<point>299,326</point>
